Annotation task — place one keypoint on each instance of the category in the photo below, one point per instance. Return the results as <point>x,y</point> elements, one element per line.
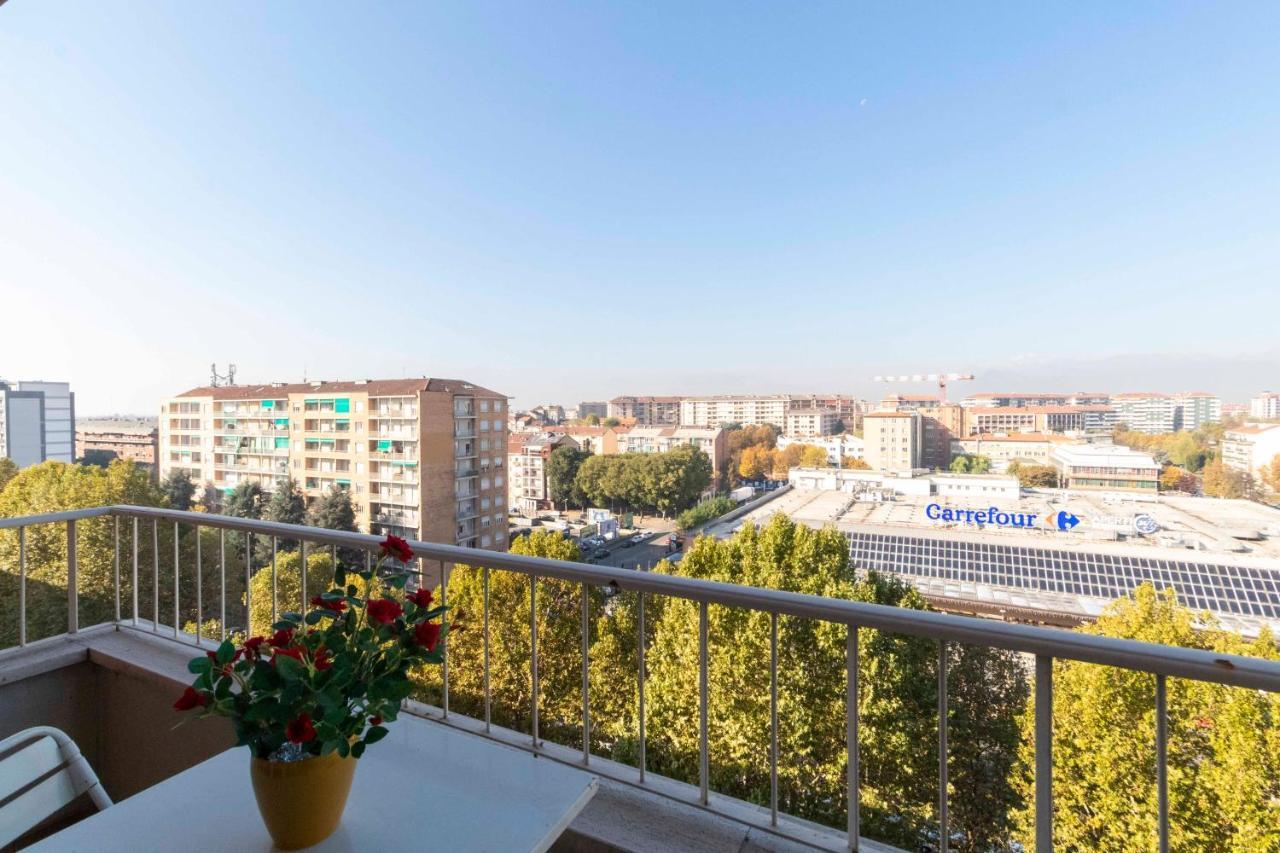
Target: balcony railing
<point>133,524</point>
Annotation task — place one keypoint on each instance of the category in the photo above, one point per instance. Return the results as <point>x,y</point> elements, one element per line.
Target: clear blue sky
<point>568,201</point>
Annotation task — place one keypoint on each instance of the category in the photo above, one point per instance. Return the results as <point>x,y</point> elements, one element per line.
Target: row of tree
<point>664,483</point>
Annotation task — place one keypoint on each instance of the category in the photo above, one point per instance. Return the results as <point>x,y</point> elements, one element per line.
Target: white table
<point>423,787</point>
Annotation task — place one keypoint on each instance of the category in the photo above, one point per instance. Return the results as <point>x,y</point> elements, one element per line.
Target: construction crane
<point>941,378</point>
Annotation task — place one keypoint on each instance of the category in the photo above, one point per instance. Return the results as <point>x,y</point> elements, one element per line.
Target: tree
<point>784,459</point>
<point>967,463</point>
<point>286,504</point>
<point>8,470</point>
<point>1270,474</point>
<point>562,471</point>
<point>178,489</point>
<point>333,510</point>
<point>210,499</point>
<point>1175,479</point>
<point>740,440</point>
<point>663,482</point>
<point>593,420</point>
<point>754,462</point>
<point>853,463</point>
<point>1033,476</point>
<point>611,422</point>
<point>1223,748</point>
<point>1223,482</point>
<point>245,501</point>
<point>812,456</point>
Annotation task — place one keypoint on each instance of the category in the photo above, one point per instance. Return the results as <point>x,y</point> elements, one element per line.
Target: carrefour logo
<point>999,518</point>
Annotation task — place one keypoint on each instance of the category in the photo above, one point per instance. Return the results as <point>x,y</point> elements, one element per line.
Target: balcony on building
<point>107,668</point>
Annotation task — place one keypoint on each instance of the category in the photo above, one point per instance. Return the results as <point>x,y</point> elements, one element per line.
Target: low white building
<point>810,422</point>
<point>837,446</point>
<point>1106,467</point>
<point>1251,447</point>
<point>876,484</point>
<point>1265,405</point>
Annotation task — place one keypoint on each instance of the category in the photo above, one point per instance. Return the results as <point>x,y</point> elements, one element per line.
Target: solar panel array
<point>1203,586</point>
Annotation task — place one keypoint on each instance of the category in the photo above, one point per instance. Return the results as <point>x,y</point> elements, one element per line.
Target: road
<point>646,554</point>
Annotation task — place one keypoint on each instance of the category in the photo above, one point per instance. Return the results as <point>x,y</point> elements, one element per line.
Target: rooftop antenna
<point>215,379</point>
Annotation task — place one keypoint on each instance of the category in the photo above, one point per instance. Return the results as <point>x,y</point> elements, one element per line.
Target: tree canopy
<point>178,489</point>
<point>662,482</point>
<point>562,471</point>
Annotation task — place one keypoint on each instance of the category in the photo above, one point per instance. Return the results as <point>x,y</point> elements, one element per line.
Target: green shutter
<point>284,422</point>
<point>282,443</point>
<point>268,404</point>
<point>342,404</point>
<point>384,446</point>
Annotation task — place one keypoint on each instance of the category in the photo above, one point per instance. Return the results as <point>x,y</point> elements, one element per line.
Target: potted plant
<point>309,699</point>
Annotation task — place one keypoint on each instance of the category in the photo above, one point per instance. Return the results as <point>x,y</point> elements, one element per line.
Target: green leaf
<point>357,749</point>
<point>283,625</point>
<point>340,576</point>
<point>289,669</point>
<point>316,615</point>
<point>328,746</point>
<point>225,652</point>
<point>199,665</point>
<point>344,749</point>
<point>375,734</point>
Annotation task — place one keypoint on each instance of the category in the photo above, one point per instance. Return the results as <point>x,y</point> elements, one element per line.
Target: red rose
<point>189,699</point>
<point>394,546</point>
<point>323,659</point>
<point>383,610</point>
<point>300,730</point>
<point>427,634</point>
<point>281,638</point>
<point>421,597</point>
<point>252,646</point>
<point>336,606</point>
<point>375,720</point>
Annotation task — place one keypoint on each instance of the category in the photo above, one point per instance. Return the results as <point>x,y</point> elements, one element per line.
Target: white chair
<point>27,797</point>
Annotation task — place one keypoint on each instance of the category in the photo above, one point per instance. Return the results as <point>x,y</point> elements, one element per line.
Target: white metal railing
<point>1045,644</point>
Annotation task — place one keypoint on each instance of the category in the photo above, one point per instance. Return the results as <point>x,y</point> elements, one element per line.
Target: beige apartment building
<point>1001,449</point>
<point>527,455</point>
<point>423,458</point>
<point>747,410</point>
<point>1087,419</point>
<point>1250,447</point>
<point>810,422</point>
<point>103,439</point>
<point>893,441</point>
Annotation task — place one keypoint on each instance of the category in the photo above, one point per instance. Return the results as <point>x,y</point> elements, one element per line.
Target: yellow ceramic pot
<point>302,801</point>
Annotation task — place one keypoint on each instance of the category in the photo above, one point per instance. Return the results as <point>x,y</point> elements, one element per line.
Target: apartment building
<point>1060,419</point>
<point>849,409</point>
<point>747,410</point>
<point>810,422</point>
<point>598,408</point>
<point>838,447</point>
<point>1106,467</point>
<point>1001,449</point>
<point>37,422</point>
<point>713,442</point>
<point>1014,401</point>
<point>423,458</point>
<point>1250,447</point>
<point>646,411</point>
<point>600,440</point>
<point>104,439</point>
<point>1265,405</point>
<point>527,457</point>
<point>1194,409</point>
<point>893,441</point>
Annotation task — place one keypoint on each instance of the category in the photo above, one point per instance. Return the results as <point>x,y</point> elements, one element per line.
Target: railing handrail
<point>1197,664</point>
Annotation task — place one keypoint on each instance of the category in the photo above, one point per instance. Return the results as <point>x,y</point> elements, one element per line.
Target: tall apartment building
<point>1013,401</point>
<point>598,408</point>
<point>1194,409</point>
<point>893,441</point>
<point>423,458</point>
<point>104,439</point>
<point>1251,447</point>
<point>646,411</point>
<point>37,422</point>
<point>1265,405</point>
<point>1006,419</point>
<point>941,424</point>
<point>810,422</point>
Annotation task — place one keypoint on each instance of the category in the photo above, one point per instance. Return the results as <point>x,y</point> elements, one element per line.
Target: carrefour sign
<point>994,517</point>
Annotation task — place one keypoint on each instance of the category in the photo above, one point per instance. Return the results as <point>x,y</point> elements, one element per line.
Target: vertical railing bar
<point>703,690</point>
<point>22,586</point>
<point>640,678</point>
<point>155,575</point>
<point>444,643</point>
<point>942,747</point>
<point>1044,752</point>
<point>199,588</point>
<point>302,548</point>
<point>135,572</point>
<point>586,674</point>
<point>116,562</point>
<point>176,627</point>
<point>275,585</point>
<point>222,584</point>
<point>1162,766</point>
<point>73,582</point>
<point>533,651</point>
<point>773,719</point>
<point>487,698</point>
<point>852,770</point>
<point>248,578</point>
